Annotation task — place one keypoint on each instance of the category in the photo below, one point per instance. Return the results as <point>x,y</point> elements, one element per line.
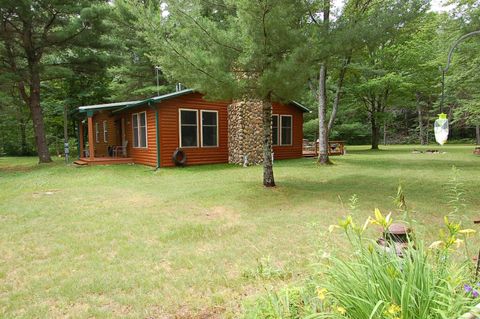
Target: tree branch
<point>73,36</point>
<point>190,62</point>
<point>310,13</point>
<point>338,93</point>
<point>208,33</point>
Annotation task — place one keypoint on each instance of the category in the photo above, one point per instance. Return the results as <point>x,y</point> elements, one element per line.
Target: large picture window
<point>274,129</point>
<point>209,128</point>
<point>139,124</point>
<point>188,128</point>
<point>286,130</point>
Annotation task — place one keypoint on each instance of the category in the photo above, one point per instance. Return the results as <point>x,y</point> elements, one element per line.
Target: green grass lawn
<point>125,241</point>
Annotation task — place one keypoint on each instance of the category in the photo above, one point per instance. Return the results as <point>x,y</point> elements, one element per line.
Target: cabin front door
<point>121,134</point>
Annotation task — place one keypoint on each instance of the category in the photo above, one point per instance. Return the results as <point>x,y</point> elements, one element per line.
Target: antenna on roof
<point>157,73</point>
<point>178,87</point>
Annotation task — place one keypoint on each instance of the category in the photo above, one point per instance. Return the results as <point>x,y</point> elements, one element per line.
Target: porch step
<point>80,163</point>
<point>104,161</point>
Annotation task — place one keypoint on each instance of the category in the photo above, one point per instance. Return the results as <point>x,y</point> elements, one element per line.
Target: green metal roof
<point>300,106</point>
<point>122,106</point>
<point>106,106</point>
<point>156,99</point>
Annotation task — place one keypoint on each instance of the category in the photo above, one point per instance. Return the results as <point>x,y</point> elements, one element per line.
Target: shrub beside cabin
<point>150,131</point>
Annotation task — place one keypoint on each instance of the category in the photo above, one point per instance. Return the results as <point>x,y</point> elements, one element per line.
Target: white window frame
<point>97,133</point>
<point>281,128</point>
<point>105,131</point>
<point>138,127</point>
<point>180,127</point>
<point>201,128</point>
<point>278,129</point>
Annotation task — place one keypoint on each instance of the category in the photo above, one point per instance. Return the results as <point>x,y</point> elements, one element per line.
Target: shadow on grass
<point>20,166</point>
<point>431,162</point>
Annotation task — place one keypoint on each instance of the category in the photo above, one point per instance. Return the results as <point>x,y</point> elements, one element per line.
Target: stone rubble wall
<point>245,132</point>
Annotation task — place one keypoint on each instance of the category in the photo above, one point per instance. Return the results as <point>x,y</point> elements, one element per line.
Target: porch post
<point>80,139</point>
<point>90,135</point>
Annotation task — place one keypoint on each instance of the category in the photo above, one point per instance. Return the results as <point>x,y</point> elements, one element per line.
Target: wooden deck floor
<point>104,160</point>
<point>309,153</point>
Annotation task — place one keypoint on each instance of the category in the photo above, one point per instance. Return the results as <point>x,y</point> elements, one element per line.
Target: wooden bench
<point>310,149</point>
<point>336,148</point>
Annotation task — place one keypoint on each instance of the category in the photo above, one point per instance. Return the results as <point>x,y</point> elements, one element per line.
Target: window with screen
<point>97,133</point>
<point>188,128</point>
<point>105,131</point>
<point>209,128</point>
<point>275,130</point>
<point>286,130</point>
<point>139,124</point>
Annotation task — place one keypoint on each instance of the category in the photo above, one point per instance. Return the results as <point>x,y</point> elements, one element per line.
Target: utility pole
<point>157,68</point>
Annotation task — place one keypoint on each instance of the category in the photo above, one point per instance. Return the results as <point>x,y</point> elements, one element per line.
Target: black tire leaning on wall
<point>179,157</point>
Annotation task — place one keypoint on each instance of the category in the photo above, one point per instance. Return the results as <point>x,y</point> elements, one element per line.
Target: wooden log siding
<point>101,148</point>
<point>148,155</point>
<point>294,150</point>
<point>170,130</point>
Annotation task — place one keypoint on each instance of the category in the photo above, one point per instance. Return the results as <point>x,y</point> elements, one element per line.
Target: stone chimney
<point>245,133</point>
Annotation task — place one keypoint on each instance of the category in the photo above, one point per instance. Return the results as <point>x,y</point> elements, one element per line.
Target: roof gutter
<point>300,106</point>
<point>147,101</point>
<point>156,99</point>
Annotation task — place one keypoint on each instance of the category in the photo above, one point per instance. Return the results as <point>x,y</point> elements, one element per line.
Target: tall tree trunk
<point>23,137</point>
<point>375,132</point>
<point>322,118</point>
<point>427,131</point>
<point>338,93</point>
<point>37,115</point>
<point>420,120</point>
<point>268,180</point>
<point>323,158</point>
<point>477,131</point>
<point>385,132</point>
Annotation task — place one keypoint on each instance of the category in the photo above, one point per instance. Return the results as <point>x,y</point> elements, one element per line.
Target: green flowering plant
<point>425,281</point>
<point>422,283</point>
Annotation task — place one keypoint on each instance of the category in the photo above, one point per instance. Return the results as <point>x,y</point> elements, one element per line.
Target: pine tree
<point>30,30</point>
<point>232,49</point>
<point>133,76</point>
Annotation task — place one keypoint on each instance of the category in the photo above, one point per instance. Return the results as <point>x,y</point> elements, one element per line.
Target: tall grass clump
<point>433,281</point>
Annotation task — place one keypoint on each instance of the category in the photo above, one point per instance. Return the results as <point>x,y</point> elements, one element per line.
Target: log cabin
<point>182,128</point>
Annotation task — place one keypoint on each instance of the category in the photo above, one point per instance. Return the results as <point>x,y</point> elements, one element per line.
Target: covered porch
<point>102,137</point>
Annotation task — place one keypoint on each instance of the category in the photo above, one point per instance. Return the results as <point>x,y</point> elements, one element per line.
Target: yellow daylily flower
<point>367,222</point>
<point>322,293</point>
<point>378,214</point>
<point>331,228</point>
<point>384,221</point>
<point>393,309</point>
<point>467,231</point>
<point>341,310</point>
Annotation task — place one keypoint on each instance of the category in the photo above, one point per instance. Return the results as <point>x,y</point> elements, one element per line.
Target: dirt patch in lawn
<point>221,213</point>
<point>208,313</point>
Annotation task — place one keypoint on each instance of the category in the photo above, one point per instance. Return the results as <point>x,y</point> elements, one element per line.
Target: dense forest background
<point>390,81</point>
